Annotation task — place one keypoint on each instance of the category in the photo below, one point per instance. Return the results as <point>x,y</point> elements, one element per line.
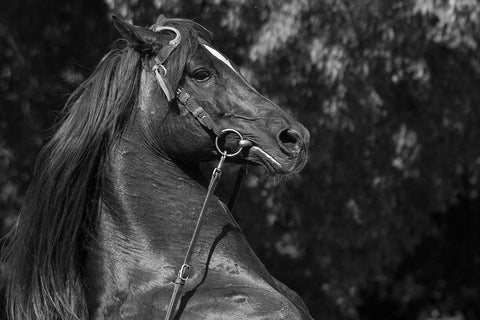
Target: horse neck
<point>148,207</point>
<point>147,189</point>
<point>145,203</point>
<point>150,195</point>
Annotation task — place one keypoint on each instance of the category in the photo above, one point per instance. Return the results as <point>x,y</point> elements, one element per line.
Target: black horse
<point>117,190</point>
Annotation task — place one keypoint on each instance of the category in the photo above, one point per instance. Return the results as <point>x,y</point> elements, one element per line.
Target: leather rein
<point>185,99</point>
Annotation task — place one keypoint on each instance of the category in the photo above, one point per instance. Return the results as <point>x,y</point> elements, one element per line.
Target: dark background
<point>384,221</point>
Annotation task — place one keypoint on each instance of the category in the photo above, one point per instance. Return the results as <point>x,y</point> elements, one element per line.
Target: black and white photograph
<point>240,160</point>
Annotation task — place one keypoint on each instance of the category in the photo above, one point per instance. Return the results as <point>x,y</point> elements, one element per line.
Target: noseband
<point>185,99</point>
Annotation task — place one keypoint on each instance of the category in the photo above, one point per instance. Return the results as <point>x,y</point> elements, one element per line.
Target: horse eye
<point>202,75</point>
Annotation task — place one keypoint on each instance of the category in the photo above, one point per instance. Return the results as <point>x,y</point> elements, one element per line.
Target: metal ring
<point>225,153</point>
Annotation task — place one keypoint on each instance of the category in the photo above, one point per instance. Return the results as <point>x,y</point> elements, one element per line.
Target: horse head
<point>207,94</point>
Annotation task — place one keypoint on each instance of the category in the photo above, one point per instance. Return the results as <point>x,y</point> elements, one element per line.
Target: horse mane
<point>47,249</point>
<point>46,253</point>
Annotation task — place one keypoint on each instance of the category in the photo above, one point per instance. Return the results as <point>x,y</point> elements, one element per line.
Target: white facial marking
<point>219,56</point>
<point>222,58</point>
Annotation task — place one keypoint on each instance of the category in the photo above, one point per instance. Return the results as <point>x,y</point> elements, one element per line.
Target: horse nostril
<point>290,141</point>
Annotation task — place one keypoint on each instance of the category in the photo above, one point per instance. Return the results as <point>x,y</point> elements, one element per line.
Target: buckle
<point>160,66</point>
<point>182,96</point>
<point>184,272</point>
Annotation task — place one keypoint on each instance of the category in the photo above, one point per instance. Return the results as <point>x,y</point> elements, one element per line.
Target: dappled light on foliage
<point>383,222</point>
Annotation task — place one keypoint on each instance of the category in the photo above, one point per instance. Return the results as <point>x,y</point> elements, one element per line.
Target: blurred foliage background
<point>384,221</point>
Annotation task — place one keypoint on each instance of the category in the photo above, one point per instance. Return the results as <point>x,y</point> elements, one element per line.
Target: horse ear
<point>161,19</point>
<point>138,37</point>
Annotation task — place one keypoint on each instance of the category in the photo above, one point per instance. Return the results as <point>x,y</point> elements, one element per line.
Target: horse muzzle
<point>288,155</point>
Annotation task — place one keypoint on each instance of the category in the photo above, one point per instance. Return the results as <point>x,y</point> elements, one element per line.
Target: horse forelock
<point>44,260</point>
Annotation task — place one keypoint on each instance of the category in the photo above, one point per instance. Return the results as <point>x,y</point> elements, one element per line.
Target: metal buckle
<point>182,96</point>
<point>160,66</point>
<point>184,272</point>
<point>224,152</point>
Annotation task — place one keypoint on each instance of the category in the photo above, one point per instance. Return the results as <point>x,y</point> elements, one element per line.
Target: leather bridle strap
<point>161,57</point>
<point>206,120</point>
<point>197,111</point>
<point>242,172</point>
<point>184,271</point>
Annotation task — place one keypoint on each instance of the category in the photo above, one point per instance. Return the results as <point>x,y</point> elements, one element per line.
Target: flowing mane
<point>45,260</point>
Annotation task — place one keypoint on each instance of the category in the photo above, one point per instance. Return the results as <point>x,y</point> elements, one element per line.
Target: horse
<point>117,190</point>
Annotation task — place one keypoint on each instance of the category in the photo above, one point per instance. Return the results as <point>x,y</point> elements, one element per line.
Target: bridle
<point>185,99</point>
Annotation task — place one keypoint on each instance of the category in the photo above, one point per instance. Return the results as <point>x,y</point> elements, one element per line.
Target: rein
<point>184,98</point>
<point>184,272</point>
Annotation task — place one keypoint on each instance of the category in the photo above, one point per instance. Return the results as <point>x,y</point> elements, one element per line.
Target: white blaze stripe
<point>222,58</point>
<point>219,56</point>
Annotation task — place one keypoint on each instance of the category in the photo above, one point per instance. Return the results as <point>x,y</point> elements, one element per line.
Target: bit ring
<point>225,152</point>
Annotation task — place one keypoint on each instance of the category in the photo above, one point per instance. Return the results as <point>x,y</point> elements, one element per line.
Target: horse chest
<point>223,285</point>
<point>232,301</point>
